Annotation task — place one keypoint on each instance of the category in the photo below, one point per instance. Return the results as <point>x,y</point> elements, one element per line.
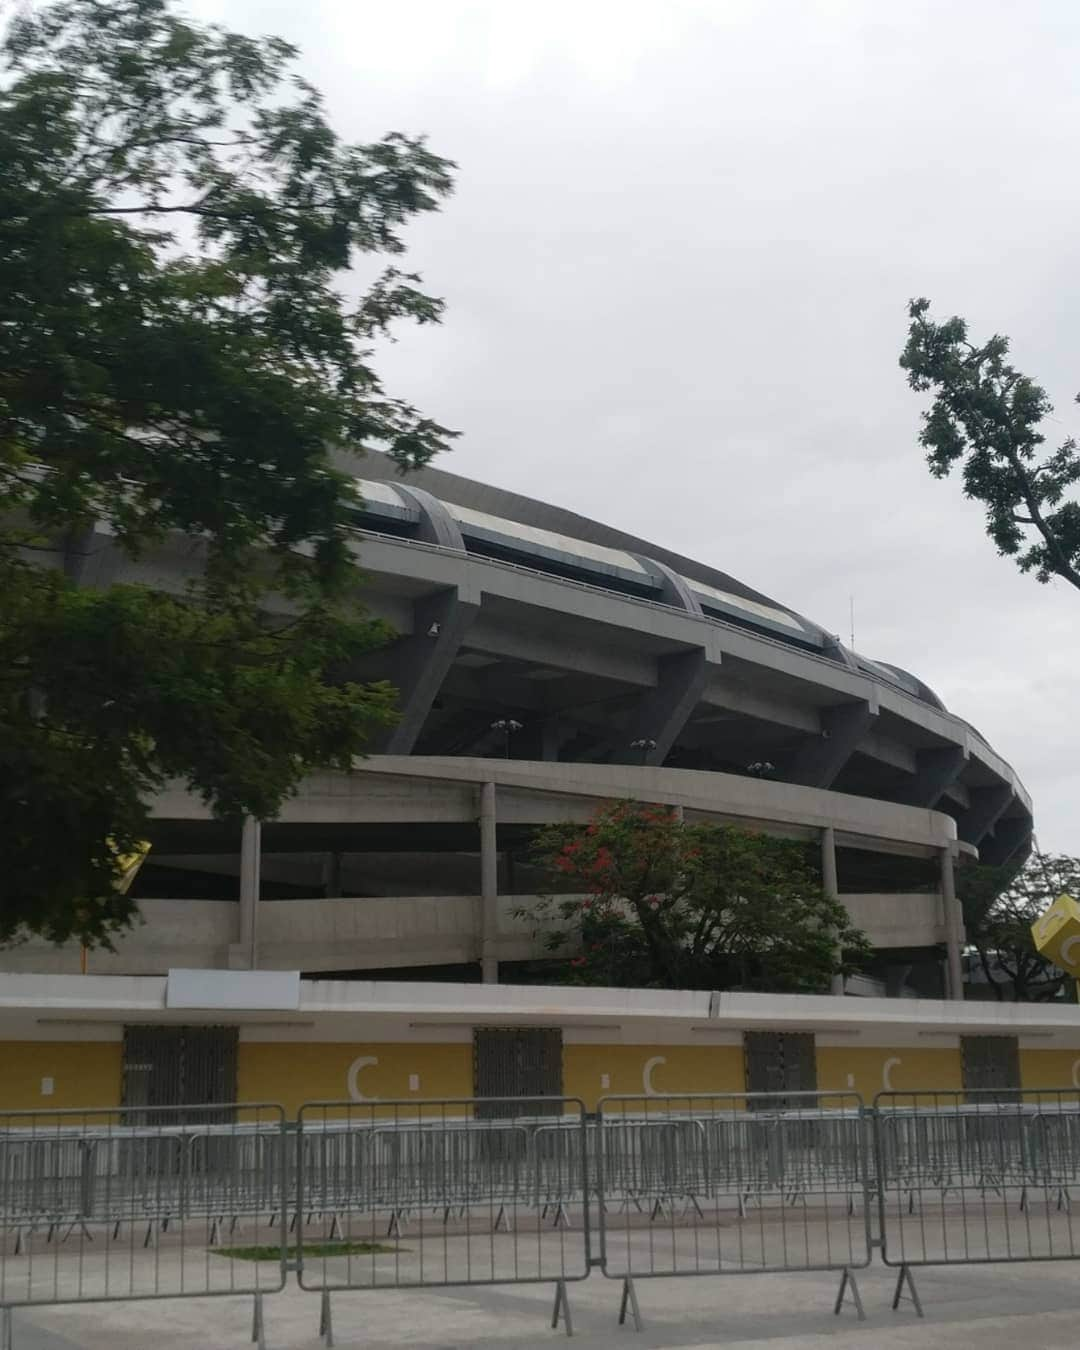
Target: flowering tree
<point>649,901</point>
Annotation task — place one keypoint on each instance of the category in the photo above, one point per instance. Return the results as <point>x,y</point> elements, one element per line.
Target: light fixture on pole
<point>507,725</point>
<point>644,744</point>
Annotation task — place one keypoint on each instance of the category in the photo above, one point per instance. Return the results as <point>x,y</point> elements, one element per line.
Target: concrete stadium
<point>546,663</point>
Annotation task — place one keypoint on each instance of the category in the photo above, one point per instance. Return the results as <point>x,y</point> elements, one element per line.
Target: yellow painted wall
<point>675,1069</point>
<point>292,1073</point>
<point>1050,1068</point>
<point>88,1074</point>
<point>913,1067</point>
<point>85,1074</point>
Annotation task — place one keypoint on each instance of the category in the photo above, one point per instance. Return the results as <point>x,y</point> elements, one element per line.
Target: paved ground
<point>1035,1307</point>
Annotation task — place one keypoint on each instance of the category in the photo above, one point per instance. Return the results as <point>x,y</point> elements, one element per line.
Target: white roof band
<point>513,529</point>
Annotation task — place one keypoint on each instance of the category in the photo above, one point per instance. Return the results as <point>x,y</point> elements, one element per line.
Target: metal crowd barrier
<point>155,1202</point>
<point>417,1194</point>
<point>126,1204</point>
<point>970,1178</point>
<point>726,1185</point>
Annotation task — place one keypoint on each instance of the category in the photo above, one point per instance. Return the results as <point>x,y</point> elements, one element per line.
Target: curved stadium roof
<point>544,537</point>
<point>605,648</point>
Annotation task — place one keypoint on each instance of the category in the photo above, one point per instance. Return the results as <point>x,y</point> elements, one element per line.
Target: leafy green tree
<point>648,901</point>
<point>178,359</point>
<point>1000,904</point>
<point>988,417</point>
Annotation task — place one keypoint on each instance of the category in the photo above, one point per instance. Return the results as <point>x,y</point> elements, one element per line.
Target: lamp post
<point>644,744</point>
<point>507,725</point>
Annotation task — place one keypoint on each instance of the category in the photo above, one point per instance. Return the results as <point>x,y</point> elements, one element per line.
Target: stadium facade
<point>548,663</point>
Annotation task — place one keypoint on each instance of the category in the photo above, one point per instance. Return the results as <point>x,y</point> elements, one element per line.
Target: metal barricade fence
<point>732,1184</point>
<point>136,1203</point>
<point>976,1177</point>
<point>414,1194</point>
<point>131,1203</point>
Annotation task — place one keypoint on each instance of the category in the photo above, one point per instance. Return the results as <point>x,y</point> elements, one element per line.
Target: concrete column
<point>421,662</point>
<point>489,886</point>
<point>830,885</point>
<point>819,760</point>
<point>664,710</point>
<point>953,925</point>
<point>250,867</point>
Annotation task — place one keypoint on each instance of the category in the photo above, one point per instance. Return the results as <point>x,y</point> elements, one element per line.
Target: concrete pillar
<point>489,887</point>
<point>953,925</point>
<point>250,868</point>
<point>830,885</point>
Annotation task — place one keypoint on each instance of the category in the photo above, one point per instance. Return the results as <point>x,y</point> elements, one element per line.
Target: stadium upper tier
<point>529,631</point>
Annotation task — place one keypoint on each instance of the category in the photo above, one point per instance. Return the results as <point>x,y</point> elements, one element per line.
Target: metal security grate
<point>179,1066</point>
<point>778,1062</point>
<point>990,1064</point>
<point>511,1062</point>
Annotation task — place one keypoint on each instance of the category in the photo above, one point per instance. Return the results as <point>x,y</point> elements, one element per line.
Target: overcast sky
<point>676,267</point>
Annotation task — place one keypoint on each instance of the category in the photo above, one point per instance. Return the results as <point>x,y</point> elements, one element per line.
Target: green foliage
<point>987,416</point>
<point>658,903</point>
<point>1000,904</point>
<point>178,358</point>
<point>271,1252</point>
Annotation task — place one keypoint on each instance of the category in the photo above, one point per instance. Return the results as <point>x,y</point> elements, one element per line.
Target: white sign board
<point>234,990</point>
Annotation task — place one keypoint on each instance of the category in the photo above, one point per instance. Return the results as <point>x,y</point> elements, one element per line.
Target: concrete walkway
<point>1033,1306</point>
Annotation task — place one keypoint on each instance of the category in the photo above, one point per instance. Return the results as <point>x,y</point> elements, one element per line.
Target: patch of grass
<point>270,1252</point>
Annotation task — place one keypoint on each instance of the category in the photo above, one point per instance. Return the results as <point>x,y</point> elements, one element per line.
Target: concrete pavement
<point>985,1307</point>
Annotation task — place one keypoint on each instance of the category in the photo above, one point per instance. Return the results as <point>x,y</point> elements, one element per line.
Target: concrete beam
<point>958,795</point>
<point>935,773</point>
<point>664,710</point>
<point>888,751</point>
<point>423,660</point>
<point>1010,841</point>
<point>819,760</point>
<point>570,651</point>
<point>726,694</point>
<point>987,807</point>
